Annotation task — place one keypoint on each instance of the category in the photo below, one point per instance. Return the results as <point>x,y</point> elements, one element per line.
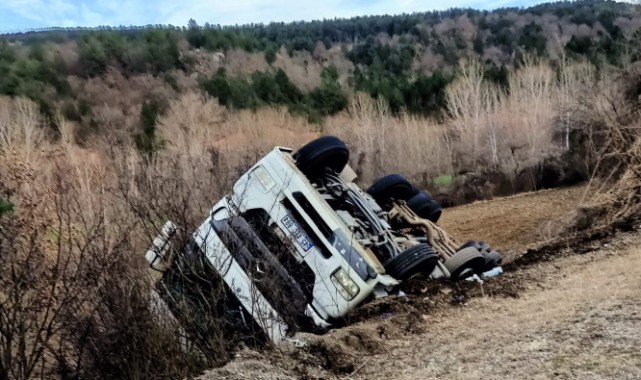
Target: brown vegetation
<point>609,125</point>
<point>75,299</point>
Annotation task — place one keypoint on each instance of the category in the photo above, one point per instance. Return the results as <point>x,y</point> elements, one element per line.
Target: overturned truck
<point>297,245</point>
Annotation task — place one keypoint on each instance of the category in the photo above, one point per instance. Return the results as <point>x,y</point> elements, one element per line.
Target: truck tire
<point>393,186</point>
<point>469,243</point>
<point>465,263</point>
<point>425,207</point>
<point>415,190</point>
<point>492,259</point>
<point>327,152</point>
<point>420,258</point>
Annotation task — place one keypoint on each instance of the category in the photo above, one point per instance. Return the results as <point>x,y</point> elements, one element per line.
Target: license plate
<point>299,235</point>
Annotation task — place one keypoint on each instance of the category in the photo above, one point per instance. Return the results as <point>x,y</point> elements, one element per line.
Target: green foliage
<point>291,93</point>
<point>499,75</point>
<point>427,93</point>
<point>152,51</point>
<point>373,53</point>
<point>37,52</point>
<point>8,53</point>
<point>97,50</point>
<point>270,55</point>
<point>478,45</point>
<point>265,88</point>
<point>532,39</point>
<point>218,86</point>
<point>580,46</point>
<point>194,35</point>
<point>159,51</point>
<point>233,92</point>
<point>329,98</point>
<point>6,207</point>
<point>423,95</point>
<point>146,140</point>
<point>32,77</point>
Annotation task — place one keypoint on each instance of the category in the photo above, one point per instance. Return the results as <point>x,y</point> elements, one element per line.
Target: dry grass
<point>576,317</point>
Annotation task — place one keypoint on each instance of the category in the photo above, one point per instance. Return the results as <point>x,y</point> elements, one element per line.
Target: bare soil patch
<point>509,224</point>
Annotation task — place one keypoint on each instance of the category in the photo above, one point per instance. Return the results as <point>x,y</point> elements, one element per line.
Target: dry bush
<point>20,129</point>
<point>382,143</point>
<point>116,101</point>
<point>197,127</point>
<point>301,68</point>
<point>205,62</point>
<point>509,133</point>
<point>427,62</point>
<point>239,61</point>
<point>258,132</point>
<point>67,52</point>
<point>344,67</point>
<point>76,300</point>
<point>185,82</point>
<point>608,122</point>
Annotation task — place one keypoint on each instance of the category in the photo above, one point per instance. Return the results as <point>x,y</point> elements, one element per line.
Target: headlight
<point>346,287</point>
<point>265,180</point>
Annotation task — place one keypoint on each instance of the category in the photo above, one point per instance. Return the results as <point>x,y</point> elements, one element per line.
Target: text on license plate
<point>299,235</point>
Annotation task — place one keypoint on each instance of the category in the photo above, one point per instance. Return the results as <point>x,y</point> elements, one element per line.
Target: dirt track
<point>577,316</point>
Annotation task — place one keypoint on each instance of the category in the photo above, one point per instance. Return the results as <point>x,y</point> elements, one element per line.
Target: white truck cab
<point>299,245</point>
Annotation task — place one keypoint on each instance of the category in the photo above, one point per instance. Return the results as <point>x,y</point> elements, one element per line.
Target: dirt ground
<point>577,316</point>
<point>579,320</point>
<point>511,223</point>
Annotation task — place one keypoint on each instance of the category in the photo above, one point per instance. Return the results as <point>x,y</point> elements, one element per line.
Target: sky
<point>22,15</point>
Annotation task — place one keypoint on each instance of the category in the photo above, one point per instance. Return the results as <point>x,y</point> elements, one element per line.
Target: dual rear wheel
<point>396,187</point>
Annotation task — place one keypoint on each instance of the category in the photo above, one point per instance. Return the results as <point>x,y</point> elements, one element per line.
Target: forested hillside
<point>310,67</point>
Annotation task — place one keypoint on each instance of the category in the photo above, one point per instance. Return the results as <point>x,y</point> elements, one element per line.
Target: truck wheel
<point>465,263</point>
<point>425,207</point>
<point>327,152</point>
<point>470,243</point>
<point>492,259</point>
<point>420,258</point>
<point>393,186</point>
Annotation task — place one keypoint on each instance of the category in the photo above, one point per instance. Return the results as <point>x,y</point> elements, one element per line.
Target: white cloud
<point>39,13</point>
<point>47,12</point>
